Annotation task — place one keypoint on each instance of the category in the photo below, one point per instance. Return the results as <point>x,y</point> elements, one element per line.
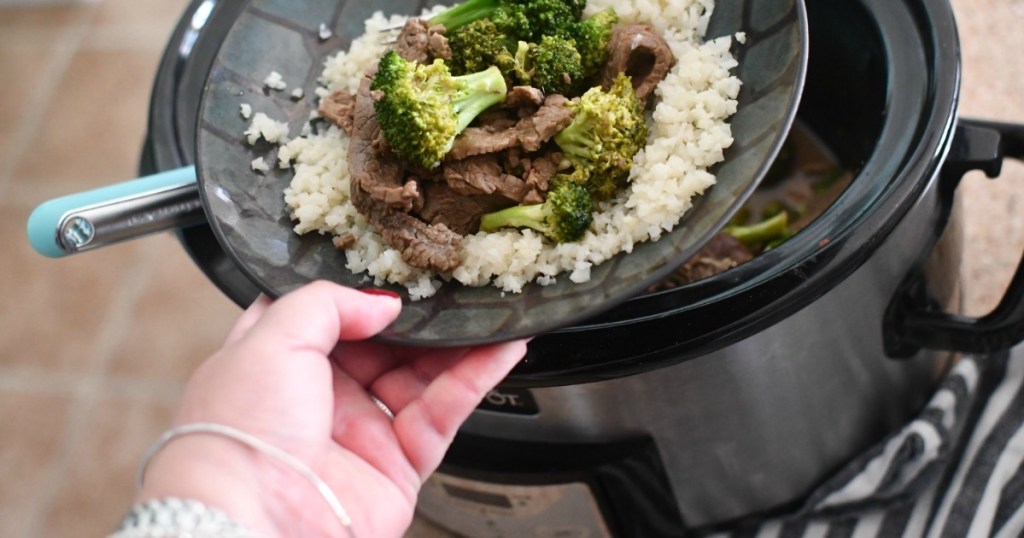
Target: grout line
<point>66,44</point>
<point>128,389</point>
<point>92,386</point>
<point>138,37</point>
<point>40,3</point>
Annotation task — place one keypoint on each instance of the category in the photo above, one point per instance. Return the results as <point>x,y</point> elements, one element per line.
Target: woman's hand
<point>298,374</point>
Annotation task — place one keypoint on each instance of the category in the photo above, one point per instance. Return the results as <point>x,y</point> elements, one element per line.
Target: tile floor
<point>94,349</point>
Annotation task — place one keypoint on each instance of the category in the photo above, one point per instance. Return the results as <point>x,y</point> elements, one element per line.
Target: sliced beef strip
<point>479,141</point>
<point>403,198</point>
<point>459,212</point>
<point>725,246</point>
<point>524,96</point>
<point>420,42</point>
<point>427,246</point>
<point>413,42</point>
<point>721,253</point>
<point>491,132</point>
<point>338,108</point>
<point>640,52</point>
<point>483,174</point>
<point>375,173</point>
<point>437,43</point>
<point>494,119</point>
<point>379,176</point>
<point>541,170</point>
<point>344,241</point>
<point>381,193</point>
<point>553,116</point>
<point>530,133</point>
<point>517,161</point>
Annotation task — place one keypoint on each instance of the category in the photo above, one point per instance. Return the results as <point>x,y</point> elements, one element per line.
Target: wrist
<point>214,471</point>
<point>251,481</point>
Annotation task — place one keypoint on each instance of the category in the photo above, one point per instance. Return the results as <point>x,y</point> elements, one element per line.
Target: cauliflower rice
<point>688,134</point>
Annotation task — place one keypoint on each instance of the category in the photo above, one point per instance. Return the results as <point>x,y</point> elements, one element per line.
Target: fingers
<point>365,361</point>
<point>248,319</point>
<point>316,316</point>
<point>365,430</point>
<point>427,425</point>
<point>399,386</point>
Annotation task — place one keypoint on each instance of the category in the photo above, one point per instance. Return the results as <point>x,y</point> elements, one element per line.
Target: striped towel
<point>955,471</point>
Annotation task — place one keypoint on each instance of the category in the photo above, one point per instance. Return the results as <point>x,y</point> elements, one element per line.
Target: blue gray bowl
<point>248,215</point>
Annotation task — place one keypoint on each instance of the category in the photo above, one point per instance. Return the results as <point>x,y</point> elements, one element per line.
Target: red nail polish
<point>378,291</point>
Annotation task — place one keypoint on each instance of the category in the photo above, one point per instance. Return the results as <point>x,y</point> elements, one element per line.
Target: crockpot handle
<point>107,215</point>
<point>911,322</point>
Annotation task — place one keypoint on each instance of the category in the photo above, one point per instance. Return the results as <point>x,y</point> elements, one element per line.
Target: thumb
<point>320,314</point>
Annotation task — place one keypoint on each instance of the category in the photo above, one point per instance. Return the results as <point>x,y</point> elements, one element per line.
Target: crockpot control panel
<point>478,508</point>
<point>494,488</point>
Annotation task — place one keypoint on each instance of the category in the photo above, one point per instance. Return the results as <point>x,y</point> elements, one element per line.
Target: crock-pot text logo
<point>515,401</point>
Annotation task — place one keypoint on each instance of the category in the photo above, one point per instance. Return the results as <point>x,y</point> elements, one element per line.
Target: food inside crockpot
<point>803,182</point>
<point>482,112</point>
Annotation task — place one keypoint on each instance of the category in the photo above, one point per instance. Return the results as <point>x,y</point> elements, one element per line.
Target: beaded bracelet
<point>171,517</point>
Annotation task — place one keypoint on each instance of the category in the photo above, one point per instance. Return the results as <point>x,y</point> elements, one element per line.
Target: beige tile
<point>993,235</point>
<point>93,129</point>
<point>54,309</point>
<point>132,12</point>
<point>991,88</point>
<point>32,428</point>
<point>26,69</point>
<point>35,44</point>
<point>179,319</point>
<point>991,42</point>
<point>98,486</point>
<point>31,26</point>
<point>135,23</point>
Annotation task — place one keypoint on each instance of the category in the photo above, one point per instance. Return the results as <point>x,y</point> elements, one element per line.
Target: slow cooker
<point>731,397</point>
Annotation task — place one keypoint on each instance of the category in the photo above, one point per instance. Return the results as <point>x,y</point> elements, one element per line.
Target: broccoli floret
<point>479,45</point>
<point>606,132</point>
<point>476,46</point>
<point>525,20</point>
<point>423,107</point>
<point>466,12</point>
<point>514,65</point>
<point>592,36</point>
<point>555,65</point>
<point>551,17</point>
<point>576,8</point>
<point>512,20</point>
<point>762,233</point>
<point>564,217</point>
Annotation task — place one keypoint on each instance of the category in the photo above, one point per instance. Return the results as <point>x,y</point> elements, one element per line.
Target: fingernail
<point>378,291</point>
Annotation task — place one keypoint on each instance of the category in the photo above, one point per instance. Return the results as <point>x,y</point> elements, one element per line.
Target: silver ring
<point>380,404</point>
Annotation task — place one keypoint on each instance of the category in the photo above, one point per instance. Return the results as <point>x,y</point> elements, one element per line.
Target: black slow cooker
<point>731,397</point>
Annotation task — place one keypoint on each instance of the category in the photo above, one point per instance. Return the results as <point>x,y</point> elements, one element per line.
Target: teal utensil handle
<point>107,215</point>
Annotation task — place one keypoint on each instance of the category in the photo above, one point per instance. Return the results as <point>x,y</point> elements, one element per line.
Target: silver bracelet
<point>171,517</point>
<point>260,446</point>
